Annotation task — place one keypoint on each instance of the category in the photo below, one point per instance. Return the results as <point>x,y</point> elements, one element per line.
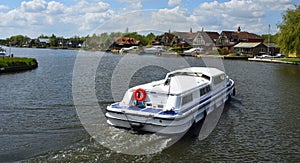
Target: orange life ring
<point>139,94</point>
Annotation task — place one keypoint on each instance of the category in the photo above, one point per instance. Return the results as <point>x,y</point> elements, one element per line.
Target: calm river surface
<point>39,122</point>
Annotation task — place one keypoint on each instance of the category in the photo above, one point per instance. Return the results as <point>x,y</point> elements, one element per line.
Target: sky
<point>70,18</point>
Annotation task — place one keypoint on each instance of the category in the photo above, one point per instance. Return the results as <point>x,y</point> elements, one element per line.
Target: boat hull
<point>164,129</point>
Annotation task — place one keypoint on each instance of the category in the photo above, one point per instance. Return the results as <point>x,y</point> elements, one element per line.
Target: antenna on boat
<point>269,40</point>
<point>9,52</point>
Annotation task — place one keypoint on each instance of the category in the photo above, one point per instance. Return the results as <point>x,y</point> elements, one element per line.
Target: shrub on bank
<point>16,62</point>
<point>295,60</point>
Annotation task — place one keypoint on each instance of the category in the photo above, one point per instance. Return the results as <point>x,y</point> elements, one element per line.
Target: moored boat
<point>174,104</point>
<point>2,52</point>
<point>193,52</point>
<point>154,50</point>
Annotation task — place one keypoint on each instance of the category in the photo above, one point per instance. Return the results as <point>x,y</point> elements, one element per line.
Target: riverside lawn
<point>16,62</point>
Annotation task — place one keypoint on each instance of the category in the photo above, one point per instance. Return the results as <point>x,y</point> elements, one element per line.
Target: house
<point>228,39</point>
<point>166,39</point>
<point>213,36</point>
<point>185,38</point>
<point>179,39</point>
<point>250,48</point>
<point>43,42</point>
<point>205,40</point>
<point>202,39</point>
<point>63,43</point>
<point>122,42</point>
<point>74,43</point>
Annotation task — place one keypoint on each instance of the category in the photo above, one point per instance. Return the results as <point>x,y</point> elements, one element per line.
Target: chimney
<point>239,29</point>
<point>191,30</point>
<point>202,29</point>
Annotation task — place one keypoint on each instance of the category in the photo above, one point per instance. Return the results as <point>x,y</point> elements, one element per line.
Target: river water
<point>39,122</point>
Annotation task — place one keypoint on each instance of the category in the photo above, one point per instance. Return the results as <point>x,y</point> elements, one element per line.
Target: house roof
<point>209,37</point>
<point>213,35</point>
<point>170,36</point>
<point>44,40</point>
<point>166,37</point>
<point>186,36</point>
<point>127,41</point>
<point>247,44</point>
<point>241,35</point>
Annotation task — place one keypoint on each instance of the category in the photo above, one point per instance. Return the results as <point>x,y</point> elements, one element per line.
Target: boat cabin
<point>178,90</point>
<point>172,105</point>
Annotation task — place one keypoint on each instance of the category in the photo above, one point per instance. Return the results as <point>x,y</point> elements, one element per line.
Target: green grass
<point>296,60</point>
<point>237,55</point>
<point>16,62</point>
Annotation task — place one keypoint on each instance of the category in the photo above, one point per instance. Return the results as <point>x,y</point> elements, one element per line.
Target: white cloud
<point>3,7</point>
<point>245,13</point>
<point>131,5</point>
<point>174,2</point>
<point>277,5</point>
<point>38,16</point>
<point>146,21</point>
<point>176,14</point>
<point>34,6</point>
<point>92,21</point>
<point>55,8</point>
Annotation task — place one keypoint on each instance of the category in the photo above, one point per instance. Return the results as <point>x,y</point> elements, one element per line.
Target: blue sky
<point>82,17</point>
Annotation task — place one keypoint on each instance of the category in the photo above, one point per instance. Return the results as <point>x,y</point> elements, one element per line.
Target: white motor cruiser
<point>174,104</point>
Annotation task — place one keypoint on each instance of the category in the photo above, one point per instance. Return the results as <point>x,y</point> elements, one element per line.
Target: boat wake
<point>127,142</point>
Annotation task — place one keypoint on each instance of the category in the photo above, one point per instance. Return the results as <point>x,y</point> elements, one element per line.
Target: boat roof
<point>182,80</point>
<point>208,71</point>
<point>181,84</point>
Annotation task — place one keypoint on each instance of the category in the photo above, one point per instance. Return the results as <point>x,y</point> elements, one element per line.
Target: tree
<point>53,41</point>
<point>273,38</point>
<point>289,36</point>
<point>145,40</point>
<point>18,40</point>
<point>150,38</point>
<point>43,36</point>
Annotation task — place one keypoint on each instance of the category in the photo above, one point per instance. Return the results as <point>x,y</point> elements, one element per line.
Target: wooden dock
<point>271,60</point>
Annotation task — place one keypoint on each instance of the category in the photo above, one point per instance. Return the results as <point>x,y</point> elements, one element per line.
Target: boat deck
<point>158,111</point>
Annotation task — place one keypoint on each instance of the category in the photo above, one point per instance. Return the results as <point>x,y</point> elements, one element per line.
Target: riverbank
<point>294,61</point>
<point>8,64</point>
<point>229,57</point>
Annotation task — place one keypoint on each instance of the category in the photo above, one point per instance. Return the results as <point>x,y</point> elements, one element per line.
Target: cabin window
<point>204,90</point>
<point>187,98</point>
<point>219,79</point>
<point>160,106</point>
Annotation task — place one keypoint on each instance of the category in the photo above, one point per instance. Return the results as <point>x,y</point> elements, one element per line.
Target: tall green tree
<point>53,41</point>
<point>289,36</point>
<point>18,40</point>
<point>43,36</point>
<point>273,38</point>
<point>150,38</point>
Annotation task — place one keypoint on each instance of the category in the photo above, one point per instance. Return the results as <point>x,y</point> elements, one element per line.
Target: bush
<point>237,54</point>
<point>223,50</point>
<point>17,62</point>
